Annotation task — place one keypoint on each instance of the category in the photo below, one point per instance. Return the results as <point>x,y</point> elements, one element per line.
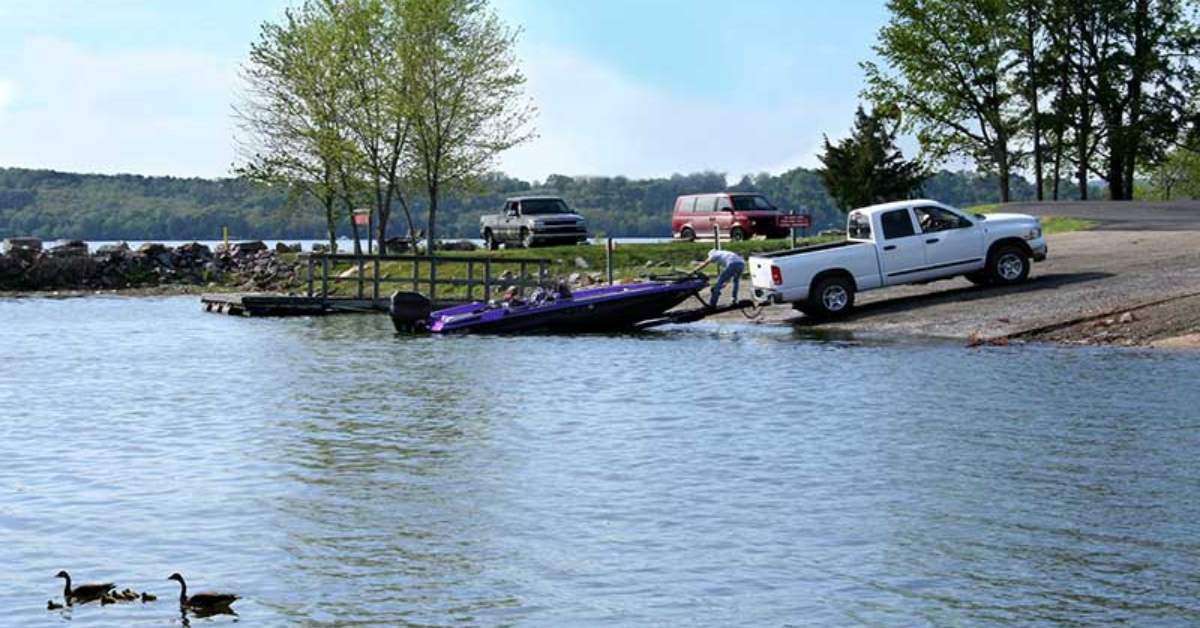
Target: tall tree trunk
<point>1141,53</point>
<point>1031,61</point>
<point>431,232</point>
<point>331,222</point>
<point>1003,168</point>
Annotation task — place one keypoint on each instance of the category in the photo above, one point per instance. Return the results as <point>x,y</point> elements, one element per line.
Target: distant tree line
<point>1062,89</point>
<point>130,207</point>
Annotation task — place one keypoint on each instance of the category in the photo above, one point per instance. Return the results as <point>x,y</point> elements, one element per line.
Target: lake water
<point>332,473</point>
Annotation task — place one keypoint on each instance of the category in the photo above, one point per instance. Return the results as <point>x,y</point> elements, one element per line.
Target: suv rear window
<point>686,204</point>
<point>751,203</point>
<point>896,224</point>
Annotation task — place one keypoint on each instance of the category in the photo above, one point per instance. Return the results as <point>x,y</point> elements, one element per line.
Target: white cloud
<point>149,111</point>
<point>594,120</point>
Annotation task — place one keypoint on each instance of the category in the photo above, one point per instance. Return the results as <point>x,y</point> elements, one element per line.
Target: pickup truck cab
<point>532,220</point>
<point>914,241</point>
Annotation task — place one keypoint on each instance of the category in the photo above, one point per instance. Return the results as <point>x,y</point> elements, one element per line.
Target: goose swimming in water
<point>83,592</point>
<point>206,601</point>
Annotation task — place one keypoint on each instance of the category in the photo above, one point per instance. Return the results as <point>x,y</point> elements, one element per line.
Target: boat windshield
<point>539,206</point>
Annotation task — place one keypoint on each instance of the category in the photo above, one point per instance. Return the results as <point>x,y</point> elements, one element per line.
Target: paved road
<point>1144,253</point>
<point>1119,215</point>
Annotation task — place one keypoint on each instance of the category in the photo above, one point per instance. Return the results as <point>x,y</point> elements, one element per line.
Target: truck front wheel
<point>1007,265</point>
<point>526,238</point>
<point>830,297</point>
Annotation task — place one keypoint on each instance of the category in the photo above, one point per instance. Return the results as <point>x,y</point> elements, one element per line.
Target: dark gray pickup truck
<point>532,220</point>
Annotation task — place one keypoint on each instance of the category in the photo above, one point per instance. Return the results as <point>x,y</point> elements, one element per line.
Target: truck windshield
<point>751,203</point>
<point>538,206</point>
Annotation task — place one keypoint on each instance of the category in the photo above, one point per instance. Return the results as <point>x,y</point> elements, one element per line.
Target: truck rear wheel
<point>489,241</point>
<point>1007,265</point>
<point>830,297</point>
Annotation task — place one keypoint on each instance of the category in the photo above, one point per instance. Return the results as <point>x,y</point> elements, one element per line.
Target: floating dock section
<point>264,304</point>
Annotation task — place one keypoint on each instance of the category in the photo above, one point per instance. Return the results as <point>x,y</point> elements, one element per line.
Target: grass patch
<point>1062,224</point>
<point>1050,224</point>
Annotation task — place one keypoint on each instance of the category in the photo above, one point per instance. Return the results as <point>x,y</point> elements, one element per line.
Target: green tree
<point>948,68</point>
<point>464,93</point>
<point>867,167</point>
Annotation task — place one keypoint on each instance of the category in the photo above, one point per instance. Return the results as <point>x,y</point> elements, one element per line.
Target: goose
<point>51,605</point>
<point>148,597</point>
<point>201,601</point>
<point>83,592</point>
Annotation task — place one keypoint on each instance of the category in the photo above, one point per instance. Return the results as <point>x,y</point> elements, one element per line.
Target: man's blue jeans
<point>731,272</point>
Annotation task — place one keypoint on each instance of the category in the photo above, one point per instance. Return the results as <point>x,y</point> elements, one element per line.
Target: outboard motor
<point>410,312</point>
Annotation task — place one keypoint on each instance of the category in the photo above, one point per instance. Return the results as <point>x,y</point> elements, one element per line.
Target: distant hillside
<point>55,205</point>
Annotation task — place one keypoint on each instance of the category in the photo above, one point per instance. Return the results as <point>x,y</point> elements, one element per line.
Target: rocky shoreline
<point>26,267</point>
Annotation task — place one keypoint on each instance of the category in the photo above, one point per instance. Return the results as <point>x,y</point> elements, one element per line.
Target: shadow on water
<point>963,294</point>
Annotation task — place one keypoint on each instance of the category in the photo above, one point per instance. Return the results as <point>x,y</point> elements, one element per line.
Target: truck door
<point>952,242</point>
<point>510,228</point>
<point>901,248</point>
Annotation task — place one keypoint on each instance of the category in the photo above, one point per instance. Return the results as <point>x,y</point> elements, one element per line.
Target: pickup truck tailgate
<point>760,272</point>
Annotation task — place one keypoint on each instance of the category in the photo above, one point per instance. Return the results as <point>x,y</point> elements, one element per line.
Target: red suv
<point>739,217</point>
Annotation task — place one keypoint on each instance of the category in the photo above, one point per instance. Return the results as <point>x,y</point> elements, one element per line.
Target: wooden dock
<point>478,277</point>
<point>266,304</point>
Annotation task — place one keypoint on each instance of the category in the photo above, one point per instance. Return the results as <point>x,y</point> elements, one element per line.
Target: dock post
<point>541,273</point>
<point>432,279</point>
<point>311,269</point>
<point>487,280</point>
<point>416,274</point>
<point>521,279</point>
<point>608,259</point>
<point>375,279</point>
<point>717,236</point>
<point>324,278</point>
<point>470,280</point>
<point>359,261</point>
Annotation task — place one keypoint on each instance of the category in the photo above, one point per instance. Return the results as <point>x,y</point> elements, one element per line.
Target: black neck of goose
<point>182,591</point>
<point>67,588</point>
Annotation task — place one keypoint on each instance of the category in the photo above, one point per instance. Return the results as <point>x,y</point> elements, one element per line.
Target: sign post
<point>362,218</point>
<point>795,221</point>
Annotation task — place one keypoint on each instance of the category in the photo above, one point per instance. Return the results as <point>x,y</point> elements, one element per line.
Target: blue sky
<point>643,88</point>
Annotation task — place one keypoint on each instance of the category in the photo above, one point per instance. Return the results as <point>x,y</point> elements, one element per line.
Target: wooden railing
<point>480,274</point>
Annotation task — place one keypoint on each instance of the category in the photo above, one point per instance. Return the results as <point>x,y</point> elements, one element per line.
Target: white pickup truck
<point>914,241</point>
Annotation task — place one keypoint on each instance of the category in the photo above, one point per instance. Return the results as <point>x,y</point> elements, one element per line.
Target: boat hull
<point>612,308</point>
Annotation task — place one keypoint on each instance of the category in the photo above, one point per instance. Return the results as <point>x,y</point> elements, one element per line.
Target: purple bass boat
<point>610,308</point>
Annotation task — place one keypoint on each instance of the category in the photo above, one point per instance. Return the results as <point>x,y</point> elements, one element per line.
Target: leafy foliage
<point>867,167</point>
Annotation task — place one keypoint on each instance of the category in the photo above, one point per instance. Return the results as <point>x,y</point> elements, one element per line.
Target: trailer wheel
<point>830,297</point>
<point>1007,265</point>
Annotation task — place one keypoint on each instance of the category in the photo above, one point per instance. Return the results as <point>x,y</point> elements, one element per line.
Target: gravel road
<point>1142,253</point>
